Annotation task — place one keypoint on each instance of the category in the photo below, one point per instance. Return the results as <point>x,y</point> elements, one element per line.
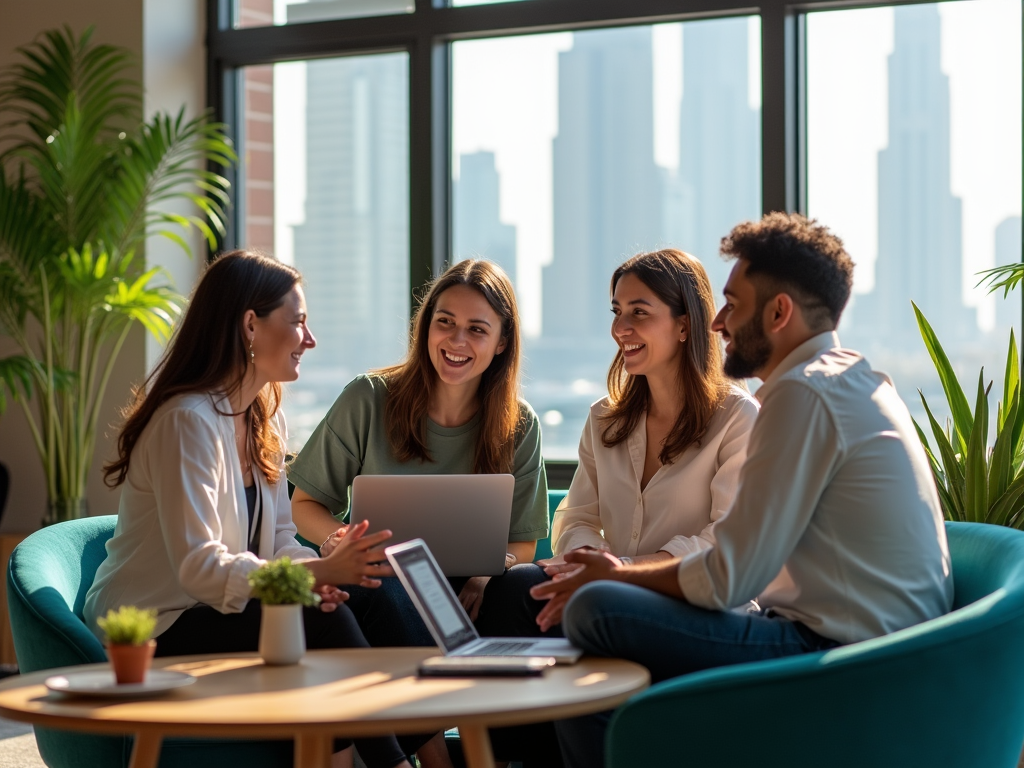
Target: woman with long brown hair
<point>451,407</point>
<point>660,456</point>
<point>204,499</point>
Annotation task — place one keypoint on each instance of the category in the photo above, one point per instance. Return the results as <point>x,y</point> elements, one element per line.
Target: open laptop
<point>463,518</point>
<point>447,619</point>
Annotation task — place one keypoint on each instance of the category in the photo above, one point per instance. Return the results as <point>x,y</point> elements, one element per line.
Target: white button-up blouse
<point>678,509</point>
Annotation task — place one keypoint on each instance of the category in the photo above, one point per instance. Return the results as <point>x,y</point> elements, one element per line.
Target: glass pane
<point>573,151</point>
<point>914,158</point>
<point>325,151</point>
<point>455,3</point>
<point>265,13</point>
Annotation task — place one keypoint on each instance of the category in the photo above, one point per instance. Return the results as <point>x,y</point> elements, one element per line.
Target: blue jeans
<point>670,637</point>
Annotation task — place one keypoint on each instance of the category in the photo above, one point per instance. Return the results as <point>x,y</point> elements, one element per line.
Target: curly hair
<point>789,253</point>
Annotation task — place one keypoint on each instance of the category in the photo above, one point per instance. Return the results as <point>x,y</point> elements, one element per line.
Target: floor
<point>18,746</point>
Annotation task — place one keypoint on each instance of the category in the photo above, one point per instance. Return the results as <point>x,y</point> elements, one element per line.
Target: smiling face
<point>740,321</point>
<point>645,330</point>
<point>465,334</point>
<point>280,338</point>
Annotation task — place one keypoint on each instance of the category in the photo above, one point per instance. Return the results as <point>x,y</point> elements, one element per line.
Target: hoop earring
<point>252,355</point>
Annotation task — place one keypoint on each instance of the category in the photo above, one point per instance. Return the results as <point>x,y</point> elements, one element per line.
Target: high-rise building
<point>718,183</point>
<point>353,247</point>
<point>479,232</point>
<point>607,191</point>
<point>1008,251</point>
<point>919,219</point>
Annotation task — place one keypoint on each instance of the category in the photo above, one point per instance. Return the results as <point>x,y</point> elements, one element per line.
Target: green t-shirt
<point>351,441</point>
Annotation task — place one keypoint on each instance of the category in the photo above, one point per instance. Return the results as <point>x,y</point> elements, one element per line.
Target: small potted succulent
<point>283,587</point>
<point>129,643</point>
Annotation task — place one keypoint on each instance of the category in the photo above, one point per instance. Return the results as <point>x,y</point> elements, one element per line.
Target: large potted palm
<point>83,182</point>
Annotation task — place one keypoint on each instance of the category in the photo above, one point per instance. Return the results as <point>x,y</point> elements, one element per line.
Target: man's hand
<point>583,565</point>
<point>330,597</point>
<point>472,595</point>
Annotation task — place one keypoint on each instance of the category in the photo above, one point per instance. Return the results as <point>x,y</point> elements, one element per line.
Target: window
<point>326,188</point>
<point>574,151</point>
<point>559,137</point>
<point>914,138</point>
<point>263,13</point>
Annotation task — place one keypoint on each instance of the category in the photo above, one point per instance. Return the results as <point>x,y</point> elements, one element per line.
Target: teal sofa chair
<point>544,545</point>
<point>948,693</point>
<point>47,579</point>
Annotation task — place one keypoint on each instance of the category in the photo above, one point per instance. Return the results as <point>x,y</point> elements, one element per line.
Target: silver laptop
<point>447,619</point>
<point>464,518</point>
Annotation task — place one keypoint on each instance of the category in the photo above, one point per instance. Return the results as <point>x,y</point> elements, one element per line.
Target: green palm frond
<point>1006,277</point>
<point>35,92</point>
<point>164,162</point>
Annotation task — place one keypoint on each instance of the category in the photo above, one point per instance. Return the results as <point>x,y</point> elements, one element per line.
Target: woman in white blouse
<point>204,498</point>
<point>660,456</point>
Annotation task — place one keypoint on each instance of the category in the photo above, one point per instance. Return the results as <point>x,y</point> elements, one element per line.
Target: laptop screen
<point>450,625</point>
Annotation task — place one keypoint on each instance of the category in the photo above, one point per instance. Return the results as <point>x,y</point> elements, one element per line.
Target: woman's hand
<point>333,540</point>
<point>354,559</point>
<point>330,597</point>
<point>472,595</point>
<point>555,565</point>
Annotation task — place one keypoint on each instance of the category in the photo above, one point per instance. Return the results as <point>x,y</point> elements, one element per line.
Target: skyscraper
<point>919,219</point>
<point>719,179</point>
<point>353,247</point>
<point>1008,251</point>
<point>607,191</point>
<point>479,232</point>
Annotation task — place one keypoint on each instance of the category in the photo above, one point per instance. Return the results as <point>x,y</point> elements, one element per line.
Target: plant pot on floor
<point>282,634</point>
<point>131,662</point>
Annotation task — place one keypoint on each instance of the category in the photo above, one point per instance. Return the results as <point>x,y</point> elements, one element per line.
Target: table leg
<point>146,751</point>
<point>476,746</point>
<point>313,750</point>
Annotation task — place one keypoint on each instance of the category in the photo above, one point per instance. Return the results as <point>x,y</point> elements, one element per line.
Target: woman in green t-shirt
<point>451,407</point>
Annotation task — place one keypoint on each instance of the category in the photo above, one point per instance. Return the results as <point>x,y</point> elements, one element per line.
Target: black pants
<point>204,629</point>
<point>388,618</point>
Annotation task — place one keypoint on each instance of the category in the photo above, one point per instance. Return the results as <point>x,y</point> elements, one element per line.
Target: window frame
<point>426,35</point>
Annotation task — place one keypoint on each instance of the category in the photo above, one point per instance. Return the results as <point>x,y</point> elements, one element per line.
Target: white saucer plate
<point>103,684</point>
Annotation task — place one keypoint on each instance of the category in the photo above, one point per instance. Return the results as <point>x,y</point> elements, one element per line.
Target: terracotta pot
<point>131,662</point>
<point>282,635</point>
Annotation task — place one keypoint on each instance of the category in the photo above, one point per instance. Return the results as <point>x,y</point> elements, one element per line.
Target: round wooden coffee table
<point>350,692</point>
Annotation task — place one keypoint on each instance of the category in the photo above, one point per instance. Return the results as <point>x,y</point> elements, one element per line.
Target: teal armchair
<point>544,545</point>
<point>47,579</point>
<point>945,693</point>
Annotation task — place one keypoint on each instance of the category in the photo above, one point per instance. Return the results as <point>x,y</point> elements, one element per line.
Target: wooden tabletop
<point>348,692</point>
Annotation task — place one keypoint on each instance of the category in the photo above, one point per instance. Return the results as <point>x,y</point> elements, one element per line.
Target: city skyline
<point>608,191</point>
<point>919,219</point>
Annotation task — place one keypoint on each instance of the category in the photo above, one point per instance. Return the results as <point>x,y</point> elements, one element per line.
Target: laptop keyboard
<point>502,648</point>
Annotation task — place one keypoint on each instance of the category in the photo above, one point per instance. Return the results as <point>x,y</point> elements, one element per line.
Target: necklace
<point>243,449</point>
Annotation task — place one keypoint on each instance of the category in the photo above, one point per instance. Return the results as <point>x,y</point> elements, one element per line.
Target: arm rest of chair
<point>875,703</point>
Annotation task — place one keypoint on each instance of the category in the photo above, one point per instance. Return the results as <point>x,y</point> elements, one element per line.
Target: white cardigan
<point>182,526</point>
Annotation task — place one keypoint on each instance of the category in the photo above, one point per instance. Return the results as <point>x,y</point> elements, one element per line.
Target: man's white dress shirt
<point>182,530</point>
<point>678,509</point>
<point>836,522</point>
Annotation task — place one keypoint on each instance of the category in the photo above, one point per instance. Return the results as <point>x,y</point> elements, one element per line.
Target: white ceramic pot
<point>282,636</point>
